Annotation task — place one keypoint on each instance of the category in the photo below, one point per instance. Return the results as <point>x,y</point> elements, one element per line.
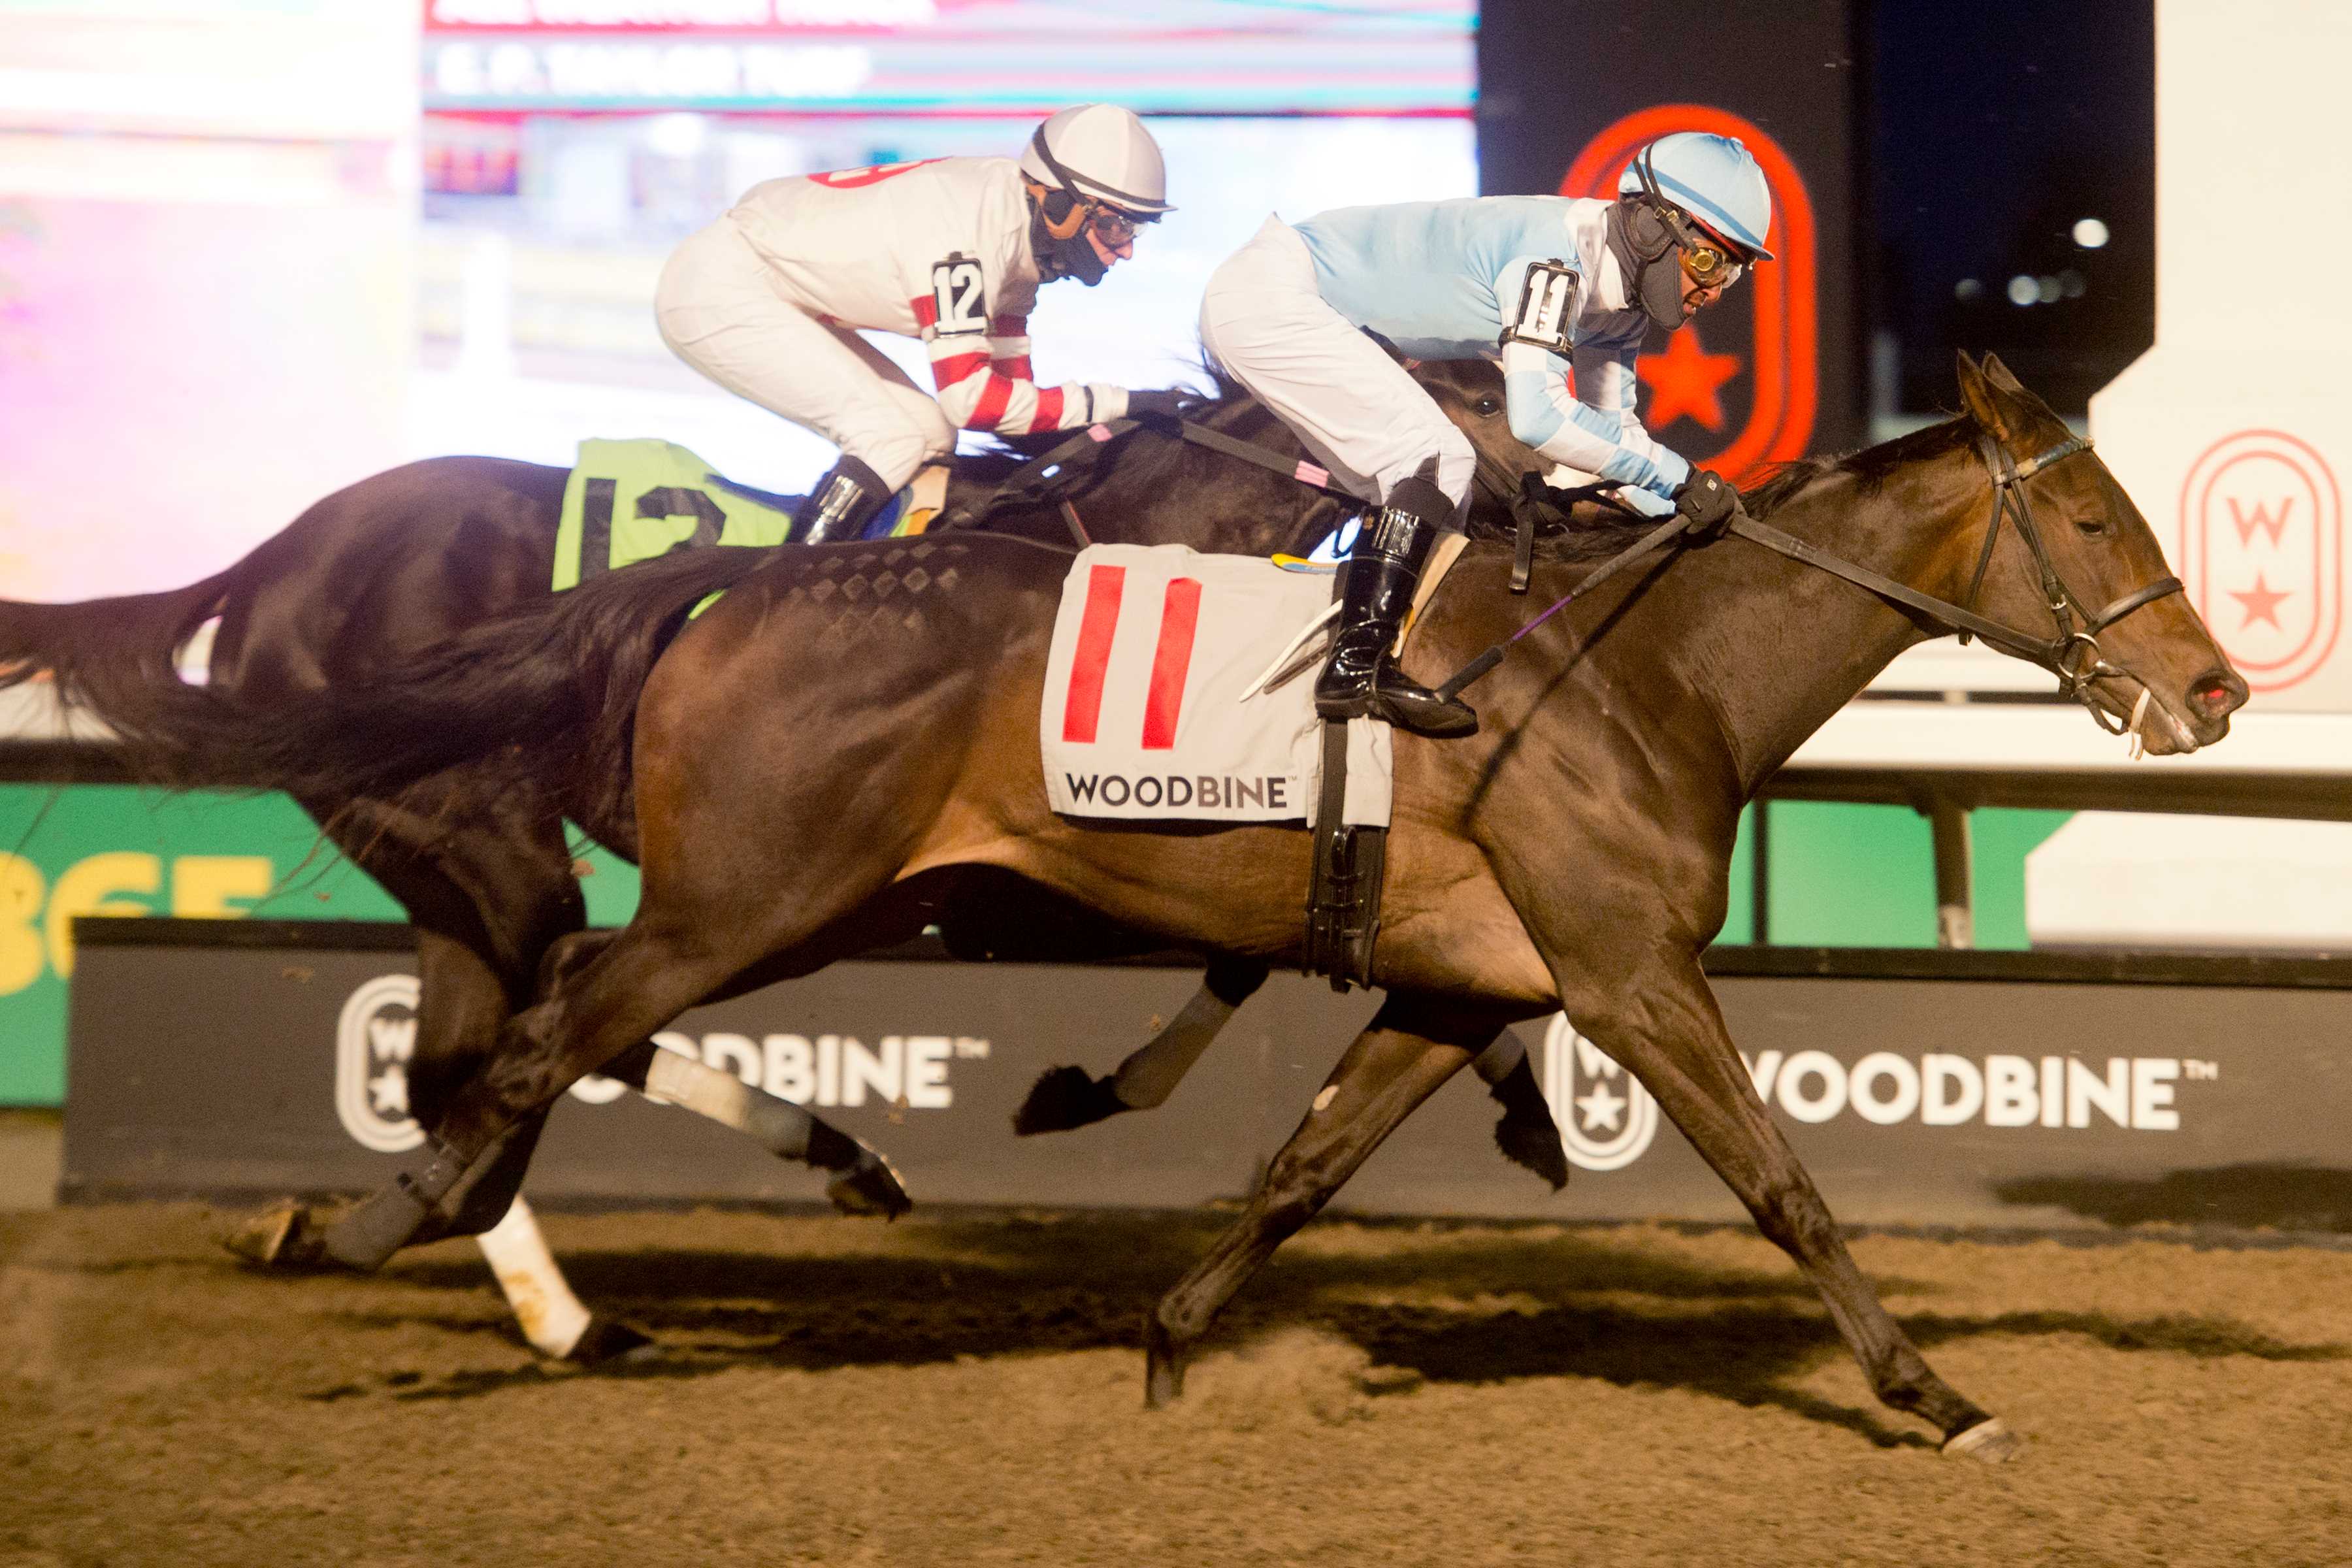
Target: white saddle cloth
<point>1152,709</point>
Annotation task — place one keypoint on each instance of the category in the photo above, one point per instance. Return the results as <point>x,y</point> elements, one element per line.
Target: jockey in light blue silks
<point>1546,284</point>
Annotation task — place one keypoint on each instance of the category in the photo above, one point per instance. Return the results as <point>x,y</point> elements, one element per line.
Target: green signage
<point>98,849</point>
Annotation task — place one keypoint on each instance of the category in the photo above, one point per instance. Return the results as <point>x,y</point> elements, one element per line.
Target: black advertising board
<point>1567,92</point>
<point>249,1058</point>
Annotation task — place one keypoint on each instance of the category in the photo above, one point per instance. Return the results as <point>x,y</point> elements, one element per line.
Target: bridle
<point>2073,655</point>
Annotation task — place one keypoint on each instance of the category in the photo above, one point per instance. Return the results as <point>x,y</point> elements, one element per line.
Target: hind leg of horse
<point>1411,1047</point>
<point>1526,1133</point>
<point>1666,1030</point>
<point>704,920</point>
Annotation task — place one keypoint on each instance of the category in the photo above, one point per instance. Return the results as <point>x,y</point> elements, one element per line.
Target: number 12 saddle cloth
<point>1180,688</point>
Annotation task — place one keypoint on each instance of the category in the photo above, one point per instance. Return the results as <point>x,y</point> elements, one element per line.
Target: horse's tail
<point>545,694</point>
<point>117,660</point>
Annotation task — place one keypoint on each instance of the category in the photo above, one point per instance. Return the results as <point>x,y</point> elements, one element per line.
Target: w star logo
<point>2262,549</point>
<point>1683,382</point>
<point>1606,1117</point>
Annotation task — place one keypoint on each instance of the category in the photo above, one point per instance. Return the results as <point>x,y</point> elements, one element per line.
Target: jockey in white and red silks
<point>768,301</point>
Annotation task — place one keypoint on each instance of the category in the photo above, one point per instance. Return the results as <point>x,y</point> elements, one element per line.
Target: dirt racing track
<point>954,1390</point>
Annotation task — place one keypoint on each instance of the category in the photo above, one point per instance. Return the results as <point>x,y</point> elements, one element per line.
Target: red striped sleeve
<point>946,373</point>
<point>993,399</point>
<point>1016,366</point>
<point>1049,410</point>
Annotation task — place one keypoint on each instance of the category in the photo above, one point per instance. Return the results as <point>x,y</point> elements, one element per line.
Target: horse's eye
<point>2091,526</point>
<point>1490,406</point>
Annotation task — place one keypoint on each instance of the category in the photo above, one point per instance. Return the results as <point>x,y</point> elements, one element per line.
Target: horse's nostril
<point>2217,694</point>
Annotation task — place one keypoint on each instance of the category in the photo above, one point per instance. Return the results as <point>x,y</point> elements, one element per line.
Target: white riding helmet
<point>1713,178</point>
<point>1106,155</point>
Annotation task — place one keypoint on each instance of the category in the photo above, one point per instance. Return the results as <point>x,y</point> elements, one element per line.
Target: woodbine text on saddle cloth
<point>1144,716</point>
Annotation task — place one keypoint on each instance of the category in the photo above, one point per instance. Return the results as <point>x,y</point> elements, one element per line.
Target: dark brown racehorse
<point>808,773</point>
<point>400,562</point>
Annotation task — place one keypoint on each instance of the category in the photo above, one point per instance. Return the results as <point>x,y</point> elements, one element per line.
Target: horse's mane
<point>1870,467</point>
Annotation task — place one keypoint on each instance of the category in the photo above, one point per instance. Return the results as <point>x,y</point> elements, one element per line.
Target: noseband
<point>2073,655</point>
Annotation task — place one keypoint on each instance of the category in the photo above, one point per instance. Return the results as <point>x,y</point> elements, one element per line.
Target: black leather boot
<point>843,503</point>
<point>1376,585</point>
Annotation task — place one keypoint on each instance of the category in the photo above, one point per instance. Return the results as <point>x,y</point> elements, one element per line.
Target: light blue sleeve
<point>1567,429</point>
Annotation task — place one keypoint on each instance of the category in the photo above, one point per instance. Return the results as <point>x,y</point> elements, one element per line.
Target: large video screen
<point>254,250</point>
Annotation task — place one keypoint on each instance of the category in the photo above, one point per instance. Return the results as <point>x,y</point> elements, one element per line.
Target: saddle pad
<point>1145,717</point>
<point>631,500</point>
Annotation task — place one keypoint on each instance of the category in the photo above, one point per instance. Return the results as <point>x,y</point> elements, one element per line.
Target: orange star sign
<point>2261,601</point>
<point>1684,379</point>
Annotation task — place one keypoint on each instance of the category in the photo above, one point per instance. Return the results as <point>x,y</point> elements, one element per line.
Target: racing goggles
<point>1710,266</point>
<point>1115,227</point>
<point>1710,263</point>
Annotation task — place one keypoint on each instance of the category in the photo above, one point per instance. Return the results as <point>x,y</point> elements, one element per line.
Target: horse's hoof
<point>1164,1365</point>
<point>1064,1098</point>
<point>283,1239</point>
<point>604,1339</point>
<point>1533,1142</point>
<point>869,1187</point>
<point>1990,1441</point>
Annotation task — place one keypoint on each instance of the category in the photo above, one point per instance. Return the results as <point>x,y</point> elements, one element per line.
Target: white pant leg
<point>1356,409</point>
<point>918,406</point>
<point>718,310</point>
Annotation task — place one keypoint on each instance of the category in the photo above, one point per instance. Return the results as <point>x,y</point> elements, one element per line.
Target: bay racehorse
<point>806,772</point>
<point>399,562</point>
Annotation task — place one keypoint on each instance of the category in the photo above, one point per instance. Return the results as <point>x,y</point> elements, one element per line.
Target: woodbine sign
<point>251,1057</point>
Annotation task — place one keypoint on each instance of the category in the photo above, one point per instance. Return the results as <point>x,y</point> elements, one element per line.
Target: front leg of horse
<point>1666,1028</point>
<point>864,1181</point>
<point>1066,1097</point>
<point>1411,1047</point>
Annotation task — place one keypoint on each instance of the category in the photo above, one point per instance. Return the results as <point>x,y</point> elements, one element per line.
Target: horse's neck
<point>1797,643</point>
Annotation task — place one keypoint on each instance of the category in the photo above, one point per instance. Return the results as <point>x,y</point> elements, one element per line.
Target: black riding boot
<point>1376,585</point>
<point>843,503</point>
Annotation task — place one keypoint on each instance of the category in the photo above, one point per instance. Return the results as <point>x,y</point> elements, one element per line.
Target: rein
<point>2073,655</point>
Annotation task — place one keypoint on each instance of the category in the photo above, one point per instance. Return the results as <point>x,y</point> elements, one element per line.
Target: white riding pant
<point>720,310</point>
<point>1356,409</point>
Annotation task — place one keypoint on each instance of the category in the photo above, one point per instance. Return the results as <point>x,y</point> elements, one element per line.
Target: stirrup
<point>1410,706</point>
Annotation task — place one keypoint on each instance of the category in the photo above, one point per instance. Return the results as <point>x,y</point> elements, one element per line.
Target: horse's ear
<point>2000,375</point>
<point>1981,398</point>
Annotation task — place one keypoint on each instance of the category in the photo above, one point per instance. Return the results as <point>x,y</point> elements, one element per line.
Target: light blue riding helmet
<point>1713,178</point>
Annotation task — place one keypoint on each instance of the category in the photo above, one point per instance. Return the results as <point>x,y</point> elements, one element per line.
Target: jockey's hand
<point>1165,403</point>
<point>1706,501</point>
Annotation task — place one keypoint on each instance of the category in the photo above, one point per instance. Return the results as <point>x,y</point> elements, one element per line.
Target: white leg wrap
<point>551,1317</point>
<point>680,1080</point>
<point>1151,1075</point>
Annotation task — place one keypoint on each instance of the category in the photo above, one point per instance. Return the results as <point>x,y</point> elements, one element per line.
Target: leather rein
<point>2072,654</point>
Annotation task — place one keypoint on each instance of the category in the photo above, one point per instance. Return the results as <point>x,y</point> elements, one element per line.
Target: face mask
<point>1062,254</point>
<point>1644,248</point>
